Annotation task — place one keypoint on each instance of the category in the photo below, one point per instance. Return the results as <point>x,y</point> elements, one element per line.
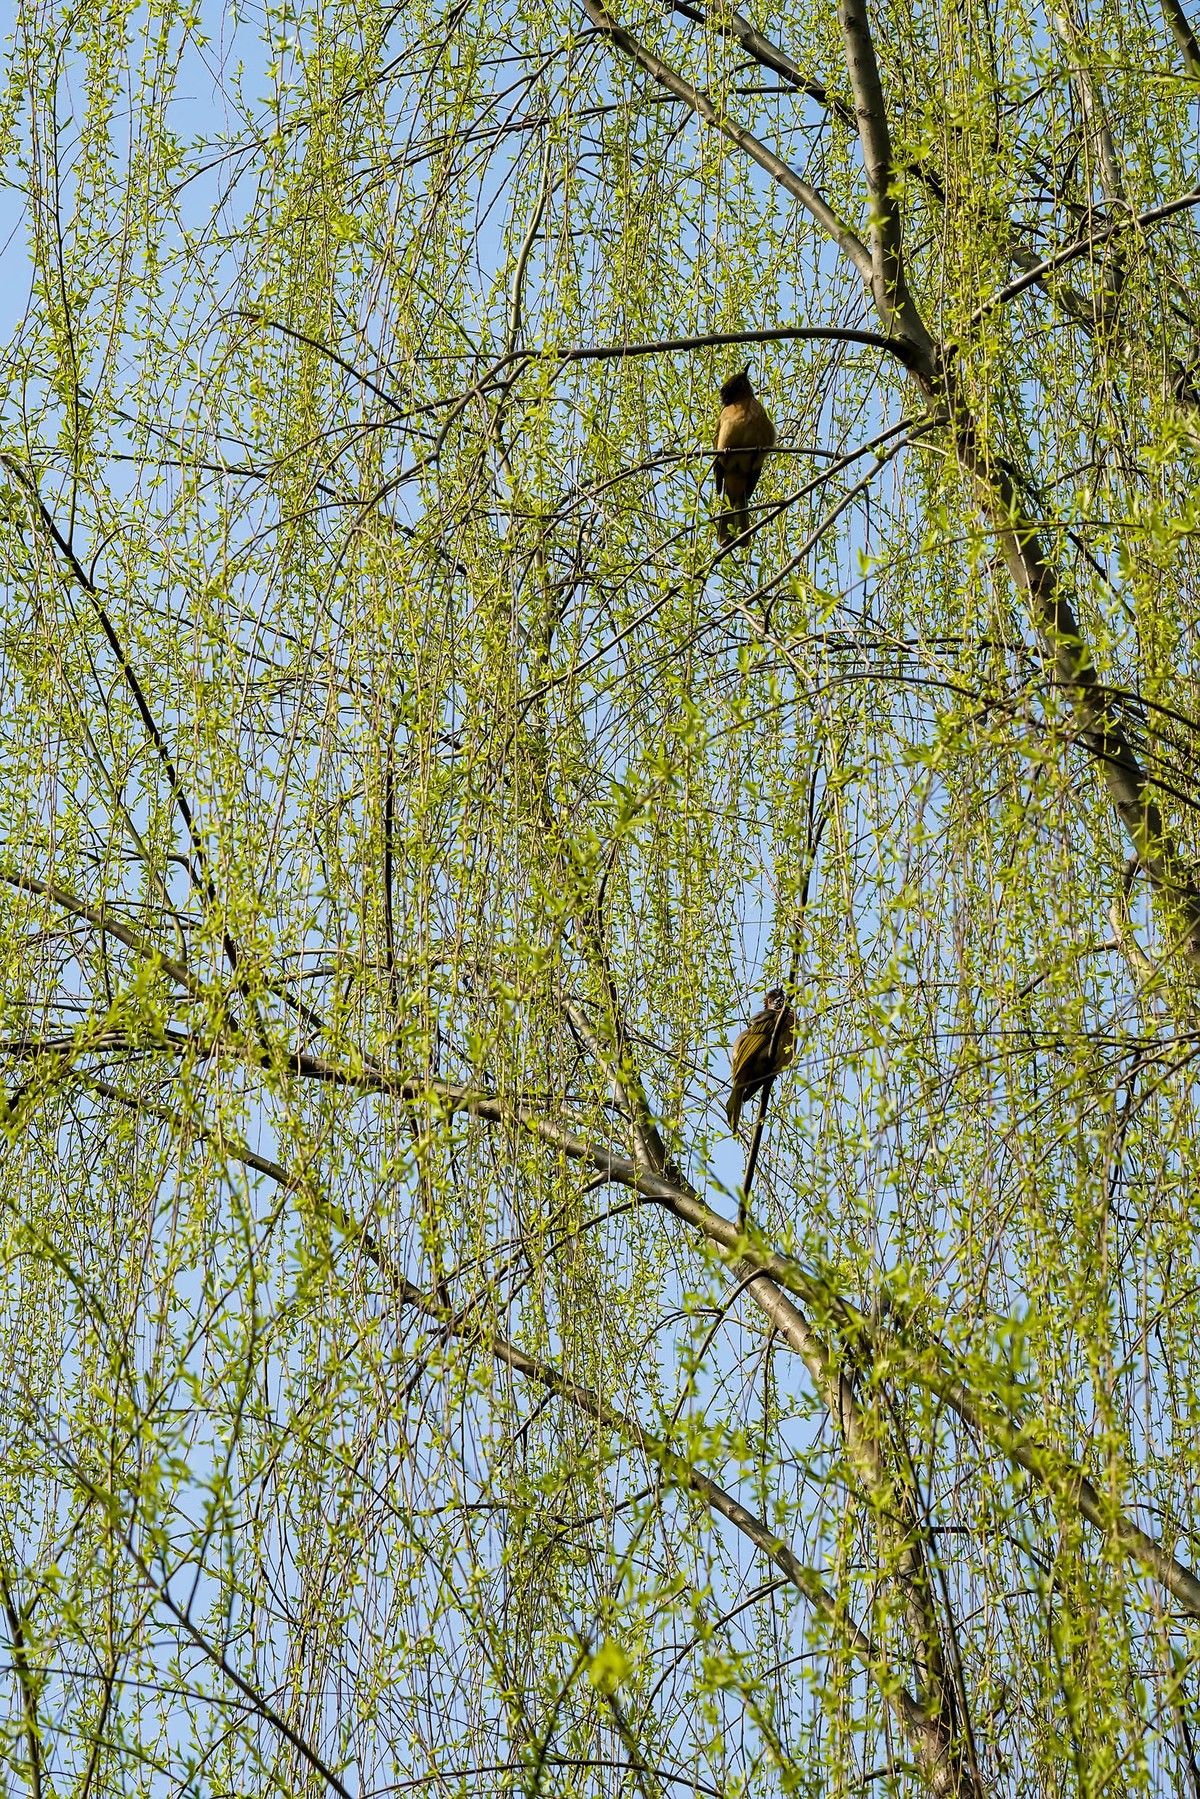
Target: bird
<point>760,1052</point>
<point>744,435</point>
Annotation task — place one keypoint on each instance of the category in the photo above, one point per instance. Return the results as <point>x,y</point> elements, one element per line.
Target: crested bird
<point>760,1052</point>
<point>744,435</point>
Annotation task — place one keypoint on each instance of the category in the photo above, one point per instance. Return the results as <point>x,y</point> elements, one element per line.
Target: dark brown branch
<point>874,340</point>
<point>1189,1747</point>
<point>253,1697</point>
<point>313,343</point>
<point>999,499</point>
<point>628,1090</point>
<point>389,801</point>
<point>1001,503</point>
<point>1101,732</point>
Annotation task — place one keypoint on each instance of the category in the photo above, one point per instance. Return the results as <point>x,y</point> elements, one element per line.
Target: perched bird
<point>744,435</point>
<point>760,1052</point>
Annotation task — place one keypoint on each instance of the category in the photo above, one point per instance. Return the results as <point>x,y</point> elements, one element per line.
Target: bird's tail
<point>732,524</point>
<point>733,1108</point>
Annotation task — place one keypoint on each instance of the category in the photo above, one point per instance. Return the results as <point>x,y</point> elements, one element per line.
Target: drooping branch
<point>756,1137</point>
<point>197,861</point>
<point>160,1590</point>
<point>925,1721</point>
<point>627,1090</point>
<point>948,1777</point>
<point>890,1354</point>
<point>945,1773</point>
<point>700,103</point>
<point>26,1682</point>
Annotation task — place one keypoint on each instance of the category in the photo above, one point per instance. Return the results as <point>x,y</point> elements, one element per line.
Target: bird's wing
<point>748,1048</point>
<point>720,460</point>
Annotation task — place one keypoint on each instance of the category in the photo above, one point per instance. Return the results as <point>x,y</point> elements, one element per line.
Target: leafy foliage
<point>406,800</point>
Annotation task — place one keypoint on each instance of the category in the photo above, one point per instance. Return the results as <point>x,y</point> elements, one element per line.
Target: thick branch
<point>1062,1476</point>
<point>1053,619</point>
<point>888,286</point>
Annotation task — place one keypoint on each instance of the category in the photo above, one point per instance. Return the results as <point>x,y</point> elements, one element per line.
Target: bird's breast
<point>744,427</point>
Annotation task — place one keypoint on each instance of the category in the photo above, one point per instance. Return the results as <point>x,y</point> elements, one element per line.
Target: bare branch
<point>839,334</point>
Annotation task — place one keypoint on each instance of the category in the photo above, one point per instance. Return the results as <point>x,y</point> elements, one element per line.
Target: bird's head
<point>737,388</point>
<point>776,999</point>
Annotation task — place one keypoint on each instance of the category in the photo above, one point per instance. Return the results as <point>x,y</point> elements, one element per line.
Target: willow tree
<point>409,1383</point>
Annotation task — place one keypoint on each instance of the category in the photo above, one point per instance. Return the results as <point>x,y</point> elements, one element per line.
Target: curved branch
<point>839,334</point>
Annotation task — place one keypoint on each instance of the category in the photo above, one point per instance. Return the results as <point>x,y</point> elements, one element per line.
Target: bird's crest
<point>737,388</point>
